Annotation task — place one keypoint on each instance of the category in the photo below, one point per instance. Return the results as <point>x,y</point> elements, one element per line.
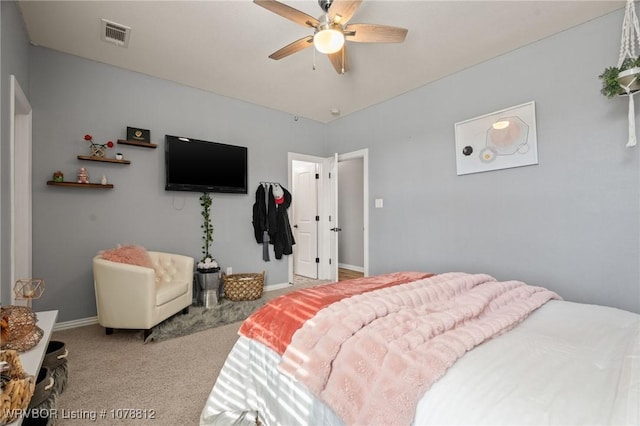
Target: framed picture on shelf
<point>138,135</point>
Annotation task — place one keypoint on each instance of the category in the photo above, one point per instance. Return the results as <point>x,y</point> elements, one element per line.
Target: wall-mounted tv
<point>202,166</point>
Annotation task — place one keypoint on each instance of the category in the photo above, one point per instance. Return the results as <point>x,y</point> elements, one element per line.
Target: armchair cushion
<point>130,254</point>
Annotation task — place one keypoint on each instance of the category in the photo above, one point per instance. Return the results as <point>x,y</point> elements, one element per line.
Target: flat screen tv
<point>202,166</point>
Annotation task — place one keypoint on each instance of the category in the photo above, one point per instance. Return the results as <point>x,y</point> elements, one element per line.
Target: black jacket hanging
<point>272,211</point>
<point>260,222</point>
<point>282,239</point>
<point>259,215</point>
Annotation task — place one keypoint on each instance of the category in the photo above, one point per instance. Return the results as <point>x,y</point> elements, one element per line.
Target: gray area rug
<point>199,318</point>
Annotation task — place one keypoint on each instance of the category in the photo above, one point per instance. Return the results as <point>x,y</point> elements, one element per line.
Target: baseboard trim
<point>66,325</point>
<point>277,286</point>
<point>94,320</point>
<point>351,267</point>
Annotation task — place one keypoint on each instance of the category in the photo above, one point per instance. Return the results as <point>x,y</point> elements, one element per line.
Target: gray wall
<point>351,212</point>
<point>71,97</point>
<point>14,59</point>
<point>570,223</point>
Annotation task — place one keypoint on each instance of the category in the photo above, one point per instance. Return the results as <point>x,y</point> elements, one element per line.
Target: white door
<point>305,214</point>
<point>331,165</point>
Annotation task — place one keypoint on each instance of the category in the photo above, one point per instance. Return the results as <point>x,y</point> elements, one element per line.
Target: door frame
<point>324,208</point>
<point>20,149</point>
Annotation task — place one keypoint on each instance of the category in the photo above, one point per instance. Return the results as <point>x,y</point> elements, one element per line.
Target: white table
<point>31,360</point>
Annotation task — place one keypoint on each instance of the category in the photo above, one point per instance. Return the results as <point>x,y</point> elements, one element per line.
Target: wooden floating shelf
<point>137,143</point>
<point>103,159</point>
<point>80,185</point>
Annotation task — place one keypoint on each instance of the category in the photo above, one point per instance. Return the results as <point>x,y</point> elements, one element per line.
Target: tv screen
<point>202,166</point>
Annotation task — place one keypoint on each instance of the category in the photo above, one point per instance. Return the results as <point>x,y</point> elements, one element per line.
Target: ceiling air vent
<point>117,34</point>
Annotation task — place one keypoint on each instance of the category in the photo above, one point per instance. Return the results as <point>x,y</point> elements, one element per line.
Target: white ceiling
<point>223,46</point>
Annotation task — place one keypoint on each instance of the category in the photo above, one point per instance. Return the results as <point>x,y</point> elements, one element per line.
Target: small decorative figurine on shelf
<point>119,156</point>
<point>103,181</point>
<point>97,149</point>
<point>83,175</point>
<point>58,176</point>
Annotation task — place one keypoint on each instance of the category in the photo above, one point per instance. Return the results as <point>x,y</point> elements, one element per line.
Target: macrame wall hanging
<point>627,63</point>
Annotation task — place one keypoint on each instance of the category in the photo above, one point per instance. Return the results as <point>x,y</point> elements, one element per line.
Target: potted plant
<point>207,263</point>
<point>208,290</point>
<point>623,79</point>
<point>614,79</point>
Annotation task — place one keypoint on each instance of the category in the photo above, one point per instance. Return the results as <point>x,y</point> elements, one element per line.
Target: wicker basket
<point>18,328</point>
<point>243,286</point>
<point>17,392</point>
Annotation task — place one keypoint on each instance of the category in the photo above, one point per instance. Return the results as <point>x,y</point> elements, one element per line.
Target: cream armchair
<point>136,297</point>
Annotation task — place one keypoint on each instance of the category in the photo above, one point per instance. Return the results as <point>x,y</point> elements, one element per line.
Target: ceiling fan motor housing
<point>325,4</point>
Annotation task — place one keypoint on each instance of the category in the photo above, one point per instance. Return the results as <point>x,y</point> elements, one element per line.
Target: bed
<point>424,349</point>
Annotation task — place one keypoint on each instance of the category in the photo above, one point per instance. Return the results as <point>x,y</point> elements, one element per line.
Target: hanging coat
<point>282,238</point>
<point>261,222</point>
<point>259,215</point>
<point>272,211</point>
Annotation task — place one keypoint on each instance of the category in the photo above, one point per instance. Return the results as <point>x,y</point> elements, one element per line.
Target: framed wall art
<point>138,135</point>
<point>499,140</point>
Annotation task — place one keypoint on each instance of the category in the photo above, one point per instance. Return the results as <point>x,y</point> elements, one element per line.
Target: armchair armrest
<point>125,294</point>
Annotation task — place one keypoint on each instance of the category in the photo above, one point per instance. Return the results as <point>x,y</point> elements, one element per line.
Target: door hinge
<point>317,218</point>
<point>317,175</point>
<point>329,218</point>
<point>317,260</point>
<point>329,261</point>
<point>329,175</point>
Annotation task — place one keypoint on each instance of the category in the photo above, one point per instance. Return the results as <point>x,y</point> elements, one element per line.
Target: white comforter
<point>567,364</point>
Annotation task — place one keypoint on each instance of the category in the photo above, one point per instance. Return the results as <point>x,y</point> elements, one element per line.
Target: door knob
<point>335,229</point>
<point>295,226</point>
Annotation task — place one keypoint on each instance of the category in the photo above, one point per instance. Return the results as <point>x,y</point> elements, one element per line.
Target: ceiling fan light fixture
<point>328,39</point>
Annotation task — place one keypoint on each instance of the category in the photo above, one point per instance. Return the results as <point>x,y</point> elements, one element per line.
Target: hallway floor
<point>343,274</point>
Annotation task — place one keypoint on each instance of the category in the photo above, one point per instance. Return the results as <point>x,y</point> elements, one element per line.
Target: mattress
<point>566,364</point>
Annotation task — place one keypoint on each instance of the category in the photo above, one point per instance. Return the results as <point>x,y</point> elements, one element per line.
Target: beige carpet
<point>169,380</point>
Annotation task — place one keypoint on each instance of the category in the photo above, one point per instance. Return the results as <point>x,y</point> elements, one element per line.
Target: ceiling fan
<point>331,30</point>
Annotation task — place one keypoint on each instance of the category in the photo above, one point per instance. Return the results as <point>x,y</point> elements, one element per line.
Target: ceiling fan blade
<point>371,33</point>
<point>292,48</point>
<point>288,12</point>
<point>341,11</point>
<point>339,60</point>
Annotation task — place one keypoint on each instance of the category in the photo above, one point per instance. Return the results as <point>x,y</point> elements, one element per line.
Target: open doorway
<point>351,218</point>
<point>333,236</point>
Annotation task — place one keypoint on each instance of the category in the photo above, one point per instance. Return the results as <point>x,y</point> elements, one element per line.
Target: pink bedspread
<point>274,324</point>
<point>371,357</point>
